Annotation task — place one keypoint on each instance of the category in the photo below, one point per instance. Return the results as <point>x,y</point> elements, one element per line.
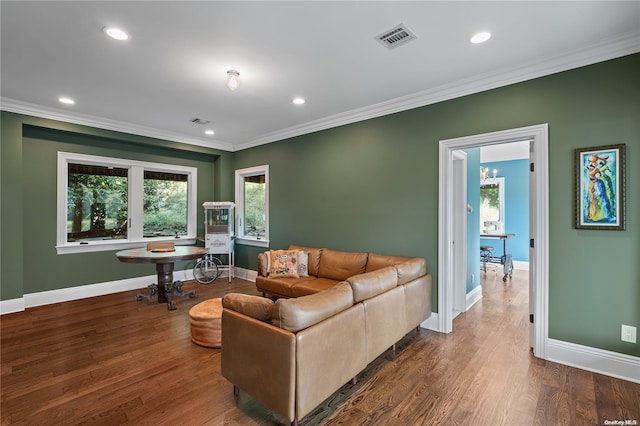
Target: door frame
<point>459,229</point>
<point>539,229</point>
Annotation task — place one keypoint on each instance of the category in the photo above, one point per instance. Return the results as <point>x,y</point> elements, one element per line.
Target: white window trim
<point>136,177</point>
<point>240,175</point>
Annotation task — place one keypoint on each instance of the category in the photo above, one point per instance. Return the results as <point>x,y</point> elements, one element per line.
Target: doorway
<point>538,226</point>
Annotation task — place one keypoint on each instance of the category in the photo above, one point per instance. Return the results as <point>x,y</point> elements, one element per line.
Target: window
<point>97,206</point>
<point>165,204</point>
<point>491,202</point>
<point>252,201</point>
<point>110,203</point>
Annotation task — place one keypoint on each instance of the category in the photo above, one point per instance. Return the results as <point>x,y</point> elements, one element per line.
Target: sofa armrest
<point>263,265</point>
<point>411,269</point>
<point>256,307</point>
<point>259,359</point>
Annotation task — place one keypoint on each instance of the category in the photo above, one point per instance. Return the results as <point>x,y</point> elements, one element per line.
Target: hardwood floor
<point>111,360</point>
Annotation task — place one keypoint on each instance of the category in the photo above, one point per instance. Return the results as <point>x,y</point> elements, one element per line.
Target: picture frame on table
<point>600,187</point>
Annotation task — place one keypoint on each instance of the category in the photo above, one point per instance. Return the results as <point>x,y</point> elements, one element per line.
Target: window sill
<point>111,245</point>
<point>252,242</point>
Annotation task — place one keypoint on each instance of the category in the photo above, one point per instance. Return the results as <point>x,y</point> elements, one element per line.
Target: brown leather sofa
<point>326,269</point>
<point>294,353</point>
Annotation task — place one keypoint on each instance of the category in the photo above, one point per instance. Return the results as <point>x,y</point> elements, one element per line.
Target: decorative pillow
<point>303,263</point>
<point>284,263</point>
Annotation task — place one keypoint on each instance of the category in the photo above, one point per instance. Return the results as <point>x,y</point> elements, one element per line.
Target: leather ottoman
<point>206,323</point>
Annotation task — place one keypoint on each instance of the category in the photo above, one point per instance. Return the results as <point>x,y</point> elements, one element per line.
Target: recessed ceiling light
<point>209,132</point>
<point>298,101</point>
<point>116,33</point>
<point>66,100</point>
<point>480,37</point>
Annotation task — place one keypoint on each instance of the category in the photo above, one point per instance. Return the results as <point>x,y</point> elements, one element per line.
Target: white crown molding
<point>12,105</point>
<point>604,51</point>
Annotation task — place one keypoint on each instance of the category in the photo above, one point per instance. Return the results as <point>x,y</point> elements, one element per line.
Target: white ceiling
<point>504,152</point>
<point>173,68</point>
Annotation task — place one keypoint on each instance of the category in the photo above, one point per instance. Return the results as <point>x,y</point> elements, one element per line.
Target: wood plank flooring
<point>110,360</point>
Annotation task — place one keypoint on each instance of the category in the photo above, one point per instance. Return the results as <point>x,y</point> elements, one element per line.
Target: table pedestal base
<point>166,289</point>
<point>175,290</point>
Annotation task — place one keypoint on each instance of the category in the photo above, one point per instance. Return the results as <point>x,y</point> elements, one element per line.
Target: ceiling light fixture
<point>66,100</point>
<point>480,37</point>
<point>116,33</point>
<point>233,80</point>
<point>298,101</point>
<point>209,132</point>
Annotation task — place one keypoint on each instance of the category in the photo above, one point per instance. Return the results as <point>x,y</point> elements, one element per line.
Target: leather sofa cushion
<point>277,286</point>
<point>311,285</point>
<point>340,265</point>
<point>256,307</point>
<point>370,284</point>
<point>379,261</point>
<point>314,257</point>
<point>302,312</point>
<point>411,269</point>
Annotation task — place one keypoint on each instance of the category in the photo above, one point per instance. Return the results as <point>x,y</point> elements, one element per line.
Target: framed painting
<point>600,187</point>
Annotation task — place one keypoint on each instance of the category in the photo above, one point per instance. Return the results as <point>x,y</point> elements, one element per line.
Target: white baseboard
<point>612,364</point>
<point>12,305</point>
<point>473,297</point>
<point>89,290</point>
<point>497,268</point>
<point>621,366</point>
<point>246,274</point>
<point>520,265</point>
<point>431,323</point>
<point>30,300</point>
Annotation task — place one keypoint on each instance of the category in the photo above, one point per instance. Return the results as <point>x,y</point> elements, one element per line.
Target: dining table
<point>164,260</point>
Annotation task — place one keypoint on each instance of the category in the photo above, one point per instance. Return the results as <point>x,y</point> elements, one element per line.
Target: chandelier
<point>484,173</point>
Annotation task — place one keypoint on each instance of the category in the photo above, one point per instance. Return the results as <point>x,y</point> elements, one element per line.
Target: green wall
<point>30,145</point>
<point>370,186</point>
<point>373,186</point>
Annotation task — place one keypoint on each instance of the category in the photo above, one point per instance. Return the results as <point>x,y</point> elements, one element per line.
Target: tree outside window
<point>252,202</point>
<point>105,203</point>
<point>254,206</point>
<point>165,204</point>
<point>96,203</point>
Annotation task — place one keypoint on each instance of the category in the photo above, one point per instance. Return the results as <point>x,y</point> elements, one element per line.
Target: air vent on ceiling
<point>396,36</point>
<point>200,121</point>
